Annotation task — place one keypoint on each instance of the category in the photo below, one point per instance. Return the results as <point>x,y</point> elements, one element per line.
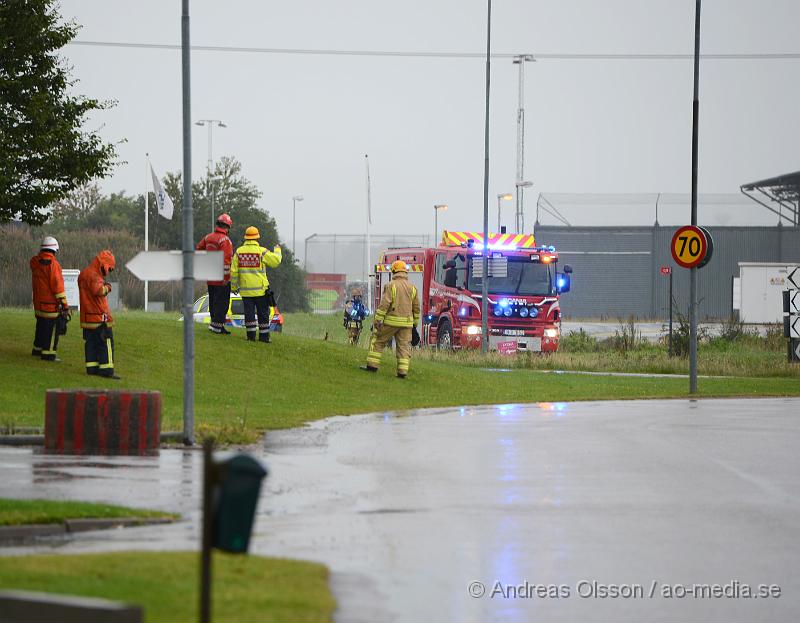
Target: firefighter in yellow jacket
<point>397,317</point>
<point>249,276</point>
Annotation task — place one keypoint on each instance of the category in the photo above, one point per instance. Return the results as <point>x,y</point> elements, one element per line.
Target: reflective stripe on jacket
<point>47,283</point>
<point>249,268</point>
<point>218,241</point>
<point>399,305</point>
<point>93,291</point>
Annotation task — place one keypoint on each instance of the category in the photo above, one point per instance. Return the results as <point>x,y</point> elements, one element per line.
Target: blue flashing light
<point>503,303</point>
<point>463,311</point>
<point>551,248</point>
<point>507,312</point>
<point>560,283</point>
<point>533,312</point>
<point>498,311</point>
<point>523,312</point>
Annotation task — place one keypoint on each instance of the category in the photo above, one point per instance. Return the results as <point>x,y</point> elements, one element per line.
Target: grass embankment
<point>24,512</point>
<point>247,386</point>
<point>246,589</point>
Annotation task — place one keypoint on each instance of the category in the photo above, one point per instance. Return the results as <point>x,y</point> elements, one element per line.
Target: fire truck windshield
<point>524,277</point>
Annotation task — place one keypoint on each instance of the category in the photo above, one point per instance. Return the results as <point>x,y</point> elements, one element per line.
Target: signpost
<point>667,270</point>
<point>168,265</point>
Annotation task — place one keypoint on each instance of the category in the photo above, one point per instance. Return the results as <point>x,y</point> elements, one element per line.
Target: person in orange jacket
<point>219,292</point>
<point>96,320</point>
<point>49,299</point>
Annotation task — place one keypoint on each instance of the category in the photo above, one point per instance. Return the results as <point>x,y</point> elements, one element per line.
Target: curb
<point>15,534</point>
<point>38,440</point>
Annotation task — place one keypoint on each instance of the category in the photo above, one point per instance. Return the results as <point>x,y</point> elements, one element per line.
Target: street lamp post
<point>436,208</point>
<point>502,197</point>
<point>210,123</point>
<point>295,199</point>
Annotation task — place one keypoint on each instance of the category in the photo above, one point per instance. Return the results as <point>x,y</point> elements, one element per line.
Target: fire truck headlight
<point>473,329</point>
<point>523,312</point>
<point>507,312</point>
<point>551,332</point>
<point>498,311</point>
<point>533,312</point>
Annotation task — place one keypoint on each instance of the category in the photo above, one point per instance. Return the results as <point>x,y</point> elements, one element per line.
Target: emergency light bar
<point>505,242</point>
<point>387,268</point>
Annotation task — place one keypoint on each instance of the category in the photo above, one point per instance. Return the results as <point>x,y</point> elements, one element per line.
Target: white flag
<point>165,207</point>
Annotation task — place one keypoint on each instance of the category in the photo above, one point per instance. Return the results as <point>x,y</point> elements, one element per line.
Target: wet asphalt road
<point>410,509</point>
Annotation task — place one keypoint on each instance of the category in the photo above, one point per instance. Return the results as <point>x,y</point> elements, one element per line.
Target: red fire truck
<point>524,289</point>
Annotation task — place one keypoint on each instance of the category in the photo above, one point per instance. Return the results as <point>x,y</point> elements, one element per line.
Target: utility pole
<point>693,273</point>
<point>519,221</point>
<point>188,235</point>
<point>485,252</point>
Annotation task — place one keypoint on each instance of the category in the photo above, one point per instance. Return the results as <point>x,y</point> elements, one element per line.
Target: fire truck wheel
<point>444,336</point>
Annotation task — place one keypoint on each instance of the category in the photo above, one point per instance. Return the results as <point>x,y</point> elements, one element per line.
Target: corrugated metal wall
<point>617,268</point>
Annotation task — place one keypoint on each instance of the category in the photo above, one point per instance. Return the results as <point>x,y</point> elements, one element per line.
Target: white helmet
<point>50,243</point>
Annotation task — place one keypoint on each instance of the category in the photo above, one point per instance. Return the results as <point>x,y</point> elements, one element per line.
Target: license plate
<point>519,332</point>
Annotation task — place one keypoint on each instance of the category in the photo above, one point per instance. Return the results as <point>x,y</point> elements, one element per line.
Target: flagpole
<point>367,277</point>
<point>146,219</point>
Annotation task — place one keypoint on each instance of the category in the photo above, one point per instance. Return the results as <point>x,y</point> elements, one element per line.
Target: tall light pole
<point>436,208</point>
<point>693,270</point>
<point>210,123</point>
<point>503,197</point>
<point>520,185</point>
<point>295,199</point>
<point>485,252</point>
<point>519,221</point>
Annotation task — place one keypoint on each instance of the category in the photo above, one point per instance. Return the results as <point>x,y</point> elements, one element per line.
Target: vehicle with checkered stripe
<point>524,284</point>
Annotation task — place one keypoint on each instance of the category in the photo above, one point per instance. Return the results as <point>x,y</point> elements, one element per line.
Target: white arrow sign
<point>796,345</point>
<point>794,275</point>
<point>794,301</point>
<point>794,326</point>
<point>168,265</point>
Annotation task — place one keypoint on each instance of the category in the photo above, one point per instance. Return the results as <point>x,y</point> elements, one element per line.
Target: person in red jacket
<point>96,320</point>
<point>219,292</point>
<point>49,299</point>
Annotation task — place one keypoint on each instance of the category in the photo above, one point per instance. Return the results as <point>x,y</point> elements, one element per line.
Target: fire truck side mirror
<point>567,269</point>
<point>562,282</point>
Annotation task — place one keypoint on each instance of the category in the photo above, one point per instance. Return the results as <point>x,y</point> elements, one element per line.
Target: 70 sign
<point>692,247</point>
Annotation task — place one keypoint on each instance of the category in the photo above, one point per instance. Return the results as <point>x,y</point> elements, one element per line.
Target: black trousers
<point>253,305</point>
<point>219,298</point>
<point>45,339</point>
<point>99,350</point>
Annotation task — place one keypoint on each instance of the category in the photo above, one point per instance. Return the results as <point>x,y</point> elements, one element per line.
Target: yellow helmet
<point>251,233</point>
<point>399,266</point>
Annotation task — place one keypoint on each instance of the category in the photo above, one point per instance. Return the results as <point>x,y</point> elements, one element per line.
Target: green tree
<point>44,152</point>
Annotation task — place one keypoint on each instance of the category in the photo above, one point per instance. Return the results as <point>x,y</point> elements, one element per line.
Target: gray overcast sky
<point>302,124</point>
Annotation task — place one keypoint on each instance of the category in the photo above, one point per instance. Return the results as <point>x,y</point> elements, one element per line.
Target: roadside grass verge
<point>25,512</point>
<point>246,589</point>
<point>297,379</point>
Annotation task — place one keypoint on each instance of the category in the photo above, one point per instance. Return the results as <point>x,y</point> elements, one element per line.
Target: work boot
<point>368,369</point>
<point>264,337</point>
<point>51,358</point>
<point>251,337</point>
<point>401,376</point>
<point>36,352</point>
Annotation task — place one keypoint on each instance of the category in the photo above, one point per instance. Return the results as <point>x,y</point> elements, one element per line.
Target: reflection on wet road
<point>411,509</point>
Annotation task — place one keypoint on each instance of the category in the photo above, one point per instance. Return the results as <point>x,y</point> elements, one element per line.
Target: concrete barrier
<point>92,421</point>
<point>30,607</point>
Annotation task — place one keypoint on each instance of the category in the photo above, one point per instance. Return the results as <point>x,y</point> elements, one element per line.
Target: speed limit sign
<point>690,247</point>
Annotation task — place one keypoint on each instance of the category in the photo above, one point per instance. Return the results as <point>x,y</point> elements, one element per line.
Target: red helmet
<point>225,219</point>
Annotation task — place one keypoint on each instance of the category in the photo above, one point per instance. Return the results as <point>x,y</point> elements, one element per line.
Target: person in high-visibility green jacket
<point>249,277</point>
